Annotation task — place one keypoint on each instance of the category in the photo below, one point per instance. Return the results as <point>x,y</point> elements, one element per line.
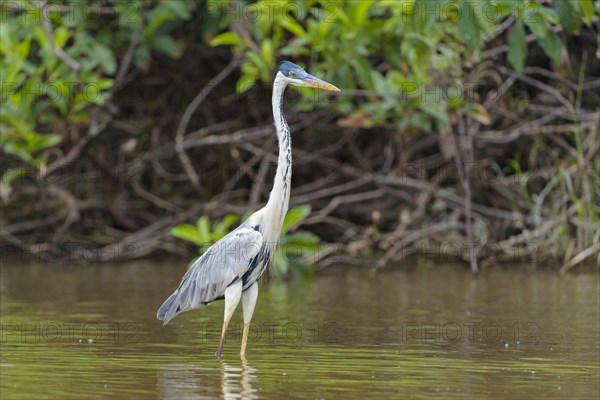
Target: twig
<point>529,38</point>
<point>135,40</point>
<point>350,198</point>
<point>548,89</point>
<point>467,140</point>
<point>590,251</point>
<point>496,51</point>
<point>258,185</point>
<point>72,210</point>
<point>332,190</point>
<point>246,169</point>
<point>29,225</point>
<point>141,242</point>
<point>157,201</point>
<point>187,115</point>
<point>400,245</point>
<point>66,160</point>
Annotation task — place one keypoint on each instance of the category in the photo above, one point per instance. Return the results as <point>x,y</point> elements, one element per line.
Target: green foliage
<point>57,63</point>
<point>518,47</point>
<point>390,49</point>
<point>293,250</point>
<point>566,189</point>
<point>203,234</point>
<point>38,87</point>
<point>404,65</point>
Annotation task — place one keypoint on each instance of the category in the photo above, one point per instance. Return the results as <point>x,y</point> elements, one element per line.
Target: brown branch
<point>128,58</point>
<point>350,198</point>
<point>187,115</point>
<point>396,252</point>
<point>589,252</point>
<point>71,207</point>
<point>467,140</point>
<point>142,242</point>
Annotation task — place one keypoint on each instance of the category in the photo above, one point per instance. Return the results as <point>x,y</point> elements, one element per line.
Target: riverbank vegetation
<point>464,132</point>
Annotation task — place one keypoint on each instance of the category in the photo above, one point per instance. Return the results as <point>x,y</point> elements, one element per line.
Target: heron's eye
<point>292,74</point>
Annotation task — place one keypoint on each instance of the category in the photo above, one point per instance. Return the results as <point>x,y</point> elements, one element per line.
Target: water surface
<point>90,332</point>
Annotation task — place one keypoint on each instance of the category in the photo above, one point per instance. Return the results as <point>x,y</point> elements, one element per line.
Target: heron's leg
<point>232,299</point>
<point>249,297</point>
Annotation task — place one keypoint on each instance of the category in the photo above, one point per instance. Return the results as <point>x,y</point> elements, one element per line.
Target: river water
<point>90,332</point>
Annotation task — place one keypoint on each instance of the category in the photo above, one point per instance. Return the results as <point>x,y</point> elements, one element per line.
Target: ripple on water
<point>347,334</point>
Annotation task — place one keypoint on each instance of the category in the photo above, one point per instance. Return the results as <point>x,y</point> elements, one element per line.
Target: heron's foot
<point>223,332</point>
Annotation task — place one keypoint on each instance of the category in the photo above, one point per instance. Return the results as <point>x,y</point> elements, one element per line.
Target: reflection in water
<point>186,381</point>
<point>399,333</point>
<point>237,381</point>
<point>181,381</point>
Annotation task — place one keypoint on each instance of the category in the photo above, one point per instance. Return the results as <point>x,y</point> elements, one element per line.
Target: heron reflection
<point>191,381</point>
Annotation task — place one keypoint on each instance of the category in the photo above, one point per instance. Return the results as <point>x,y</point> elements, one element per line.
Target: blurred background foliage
<point>60,58</point>
<point>417,45</point>
<point>408,69</point>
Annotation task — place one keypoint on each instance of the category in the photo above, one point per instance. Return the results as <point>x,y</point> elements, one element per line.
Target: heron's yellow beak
<point>317,83</point>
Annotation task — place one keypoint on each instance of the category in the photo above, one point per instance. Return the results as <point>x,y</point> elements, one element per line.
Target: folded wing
<point>222,264</point>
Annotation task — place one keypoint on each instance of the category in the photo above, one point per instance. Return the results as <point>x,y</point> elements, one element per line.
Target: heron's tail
<point>165,312</point>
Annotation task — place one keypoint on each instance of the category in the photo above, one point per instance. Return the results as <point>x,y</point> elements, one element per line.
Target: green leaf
<point>141,55</point>
<point>156,18</point>
<point>18,149</point>
<point>227,38</point>
<point>167,45</point>
<point>379,82</point>
<point>47,140</point>
<point>221,228</point>
<point>304,239</point>
<point>479,113</point>
<point>517,47</point>
<point>569,14</point>
<point>505,8</point>
<point>11,74</point>
<point>179,8</point>
<point>105,58</point>
<point>103,83</point>
<point>552,46</point>
<point>537,24</point>
<point>245,83</point>
<point>360,14</point>
<point>203,225</point>
<point>295,216</point>
<point>587,7</point>
<point>12,174</point>
<point>23,48</point>
<point>292,26</point>
<point>61,35</point>
<point>280,261</point>
<point>363,69</point>
<point>468,26</point>
<point>189,233</point>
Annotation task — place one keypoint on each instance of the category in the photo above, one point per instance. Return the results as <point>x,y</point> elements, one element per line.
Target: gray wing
<point>221,265</point>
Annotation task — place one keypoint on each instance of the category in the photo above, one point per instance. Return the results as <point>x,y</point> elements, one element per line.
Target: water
<point>90,332</point>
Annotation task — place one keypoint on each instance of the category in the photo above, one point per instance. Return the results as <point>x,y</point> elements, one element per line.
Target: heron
<point>231,268</point>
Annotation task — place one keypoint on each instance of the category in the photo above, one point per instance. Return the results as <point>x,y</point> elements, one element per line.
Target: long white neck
<point>279,198</point>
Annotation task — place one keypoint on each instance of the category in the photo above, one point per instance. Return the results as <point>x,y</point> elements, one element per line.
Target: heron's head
<point>294,75</point>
